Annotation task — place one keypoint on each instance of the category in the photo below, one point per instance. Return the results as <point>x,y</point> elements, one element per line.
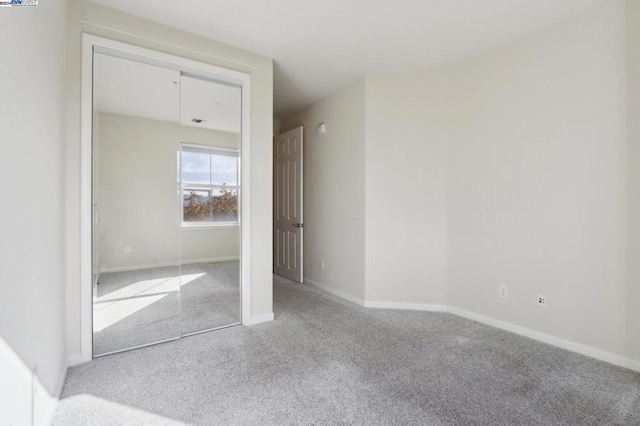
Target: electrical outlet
<point>127,250</point>
<point>542,301</point>
<point>322,264</point>
<point>504,292</point>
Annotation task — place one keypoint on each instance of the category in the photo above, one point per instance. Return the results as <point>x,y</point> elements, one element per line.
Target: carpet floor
<point>139,307</point>
<point>327,361</point>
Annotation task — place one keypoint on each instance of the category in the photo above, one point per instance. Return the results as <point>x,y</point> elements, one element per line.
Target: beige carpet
<point>134,308</point>
<point>327,361</point>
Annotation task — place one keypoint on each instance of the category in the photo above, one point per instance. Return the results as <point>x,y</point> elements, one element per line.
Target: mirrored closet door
<point>166,210</point>
<point>210,176</point>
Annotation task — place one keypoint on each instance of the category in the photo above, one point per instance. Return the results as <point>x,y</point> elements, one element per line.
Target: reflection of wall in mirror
<point>95,209</point>
<point>137,186</point>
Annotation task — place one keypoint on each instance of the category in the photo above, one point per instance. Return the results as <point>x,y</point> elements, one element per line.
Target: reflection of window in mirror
<point>210,186</point>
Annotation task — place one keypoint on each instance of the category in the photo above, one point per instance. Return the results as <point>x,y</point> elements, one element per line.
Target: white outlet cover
<point>503,292</point>
<point>542,300</point>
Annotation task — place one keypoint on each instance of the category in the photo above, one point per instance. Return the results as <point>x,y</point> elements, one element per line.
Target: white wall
<point>119,26</point>
<point>518,167</point>
<point>537,183</point>
<point>334,190</point>
<point>136,187</point>
<point>632,14</point>
<point>32,89</point>
<point>385,143</point>
<point>406,198</point>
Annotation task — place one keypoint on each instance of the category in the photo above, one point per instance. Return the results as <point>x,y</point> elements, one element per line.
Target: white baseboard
<point>559,342</point>
<point>167,264</point>
<point>260,319</point>
<point>74,359</point>
<point>338,293</point>
<point>405,306</point>
<point>55,398</point>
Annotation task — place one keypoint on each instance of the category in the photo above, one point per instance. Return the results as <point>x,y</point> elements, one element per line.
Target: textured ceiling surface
<point>320,46</point>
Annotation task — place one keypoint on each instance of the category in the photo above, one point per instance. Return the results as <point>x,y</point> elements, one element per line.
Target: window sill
<point>210,225</point>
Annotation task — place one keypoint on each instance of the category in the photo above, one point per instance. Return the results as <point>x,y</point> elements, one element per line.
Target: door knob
<point>298,225</point>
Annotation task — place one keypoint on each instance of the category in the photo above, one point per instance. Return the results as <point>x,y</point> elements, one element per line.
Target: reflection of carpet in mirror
<point>134,308</point>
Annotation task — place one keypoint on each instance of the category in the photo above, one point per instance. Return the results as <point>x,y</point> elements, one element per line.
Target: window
<point>210,186</point>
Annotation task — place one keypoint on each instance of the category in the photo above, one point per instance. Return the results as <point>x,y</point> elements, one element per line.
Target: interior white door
<point>287,204</point>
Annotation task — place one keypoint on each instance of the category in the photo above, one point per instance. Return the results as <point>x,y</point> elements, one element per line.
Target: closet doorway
<point>168,197</point>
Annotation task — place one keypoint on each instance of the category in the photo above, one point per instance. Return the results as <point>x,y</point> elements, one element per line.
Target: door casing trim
<point>91,44</point>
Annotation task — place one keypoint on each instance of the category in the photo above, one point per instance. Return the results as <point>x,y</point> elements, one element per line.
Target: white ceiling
<point>132,88</point>
<point>320,46</point>
<point>217,104</point>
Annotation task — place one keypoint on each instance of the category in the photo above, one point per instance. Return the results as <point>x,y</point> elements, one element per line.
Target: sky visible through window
<point>206,169</point>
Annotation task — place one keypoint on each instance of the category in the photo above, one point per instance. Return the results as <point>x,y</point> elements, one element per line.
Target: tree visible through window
<point>209,185</point>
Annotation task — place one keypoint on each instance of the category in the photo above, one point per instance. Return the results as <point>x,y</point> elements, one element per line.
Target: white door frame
<point>91,44</point>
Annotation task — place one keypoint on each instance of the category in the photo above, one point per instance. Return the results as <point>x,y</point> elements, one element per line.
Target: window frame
<point>211,188</point>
